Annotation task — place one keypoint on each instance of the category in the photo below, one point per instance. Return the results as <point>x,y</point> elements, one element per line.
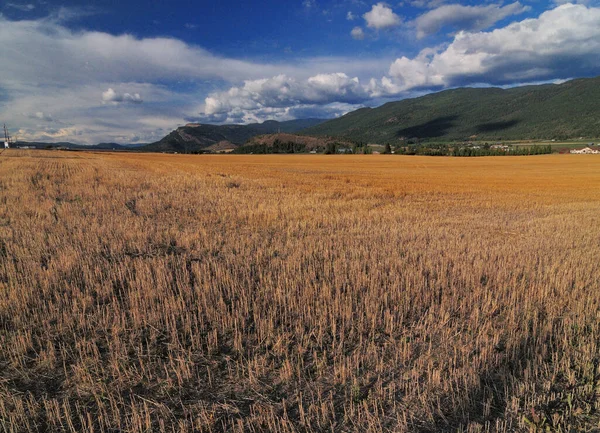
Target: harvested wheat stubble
<point>298,293</point>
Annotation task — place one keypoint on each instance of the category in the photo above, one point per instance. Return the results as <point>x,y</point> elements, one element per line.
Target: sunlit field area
<point>177,293</point>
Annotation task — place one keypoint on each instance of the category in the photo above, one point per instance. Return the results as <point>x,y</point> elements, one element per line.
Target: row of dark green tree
<point>429,149</point>
<point>355,148</point>
<point>471,150</point>
<point>292,147</point>
<point>512,150</point>
<point>277,147</point>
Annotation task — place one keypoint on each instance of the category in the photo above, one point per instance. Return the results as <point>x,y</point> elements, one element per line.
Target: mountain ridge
<point>548,111</point>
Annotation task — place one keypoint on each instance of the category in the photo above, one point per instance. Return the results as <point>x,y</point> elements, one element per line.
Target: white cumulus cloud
<point>381,16</point>
<point>111,96</point>
<point>562,42</point>
<point>357,33</point>
<point>281,92</point>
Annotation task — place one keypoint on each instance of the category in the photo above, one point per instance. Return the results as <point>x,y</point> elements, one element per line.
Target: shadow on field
<point>497,126</point>
<point>434,128</point>
<point>485,402</point>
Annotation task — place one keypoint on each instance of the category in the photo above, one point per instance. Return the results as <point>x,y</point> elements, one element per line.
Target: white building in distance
<point>586,151</point>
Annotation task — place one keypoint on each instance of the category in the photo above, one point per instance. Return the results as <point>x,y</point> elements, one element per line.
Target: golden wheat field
<point>176,293</point>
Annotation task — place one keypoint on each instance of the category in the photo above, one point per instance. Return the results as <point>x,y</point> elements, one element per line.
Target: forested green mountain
<point>551,111</point>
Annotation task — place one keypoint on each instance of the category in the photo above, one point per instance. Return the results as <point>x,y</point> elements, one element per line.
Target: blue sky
<point>131,71</point>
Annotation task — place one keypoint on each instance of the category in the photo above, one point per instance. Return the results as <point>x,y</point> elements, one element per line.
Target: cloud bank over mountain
<point>561,43</point>
<point>100,86</point>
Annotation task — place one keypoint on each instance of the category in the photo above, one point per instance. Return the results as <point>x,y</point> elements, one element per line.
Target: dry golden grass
<point>176,293</point>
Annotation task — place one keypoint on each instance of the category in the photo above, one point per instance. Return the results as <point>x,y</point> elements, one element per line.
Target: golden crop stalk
<point>172,293</point>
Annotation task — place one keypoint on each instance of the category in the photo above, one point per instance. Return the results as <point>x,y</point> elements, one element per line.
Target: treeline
<point>290,147</point>
<point>428,149</point>
<point>277,147</point>
<point>356,148</point>
<point>513,150</point>
<point>466,151</point>
<point>421,149</point>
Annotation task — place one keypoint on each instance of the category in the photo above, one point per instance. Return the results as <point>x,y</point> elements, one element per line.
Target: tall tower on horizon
<point>6,138</point>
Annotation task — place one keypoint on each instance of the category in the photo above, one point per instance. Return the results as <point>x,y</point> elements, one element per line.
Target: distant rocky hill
<point>195,137</point>
<point>550,111</point>
<point>222,147</point>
